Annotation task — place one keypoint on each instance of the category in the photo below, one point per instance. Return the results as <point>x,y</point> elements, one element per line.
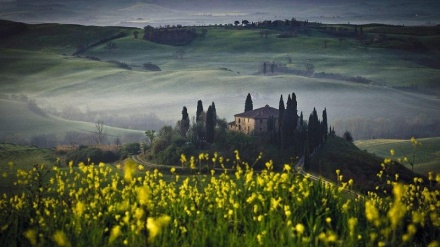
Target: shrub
<point>151,67</point>
<point>89,155</point>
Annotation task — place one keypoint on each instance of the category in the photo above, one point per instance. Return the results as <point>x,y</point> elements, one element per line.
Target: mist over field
<point>140,13</point>
<point>221,67</point>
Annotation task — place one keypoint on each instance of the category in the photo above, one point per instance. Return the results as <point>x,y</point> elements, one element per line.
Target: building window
<point>239,120</point>
<point>261,121</point>
<point>261,129</point>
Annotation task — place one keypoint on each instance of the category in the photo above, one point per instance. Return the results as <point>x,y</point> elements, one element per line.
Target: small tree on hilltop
<point>248,105</point>
<point>347,136</point>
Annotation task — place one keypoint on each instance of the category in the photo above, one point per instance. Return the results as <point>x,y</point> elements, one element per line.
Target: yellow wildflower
<point>300,228</point>
<point>154,226</point>
<point>31,235</point>
<point>115,233</point>
<point>60,239</point>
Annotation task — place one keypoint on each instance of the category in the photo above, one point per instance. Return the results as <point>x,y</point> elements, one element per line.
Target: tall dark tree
<point>294,111</point>
<point>301,119</point>
<point>324,126</point>
<point>248,105</point>
<point>199,113</point>
<point>210,125</point>
<point>214,111</point>
<point>314,131</point>
<point>184,123</point>
<point>281,109</point>
<point>287,125</point>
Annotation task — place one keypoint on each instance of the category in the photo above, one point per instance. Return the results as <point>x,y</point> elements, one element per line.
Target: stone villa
<point>255,121</point>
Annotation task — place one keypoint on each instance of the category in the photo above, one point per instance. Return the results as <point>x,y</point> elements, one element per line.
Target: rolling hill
<point>21,125</point>
<point>426,153</point>
<point>353,163</point>
<point>221,67</point>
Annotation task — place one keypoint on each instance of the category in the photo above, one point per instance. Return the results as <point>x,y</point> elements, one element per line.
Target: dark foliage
<point>89,155</point>
<point>210,124</point>
<point>151,67</point>
<point>83,48</point>
<point>248,105</point>
<point>170,36</point>
<point>120,64</point>
<point>347,136</point>
<point>8,28</point>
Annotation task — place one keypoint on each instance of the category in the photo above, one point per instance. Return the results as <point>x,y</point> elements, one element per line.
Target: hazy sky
<point>200,12</point>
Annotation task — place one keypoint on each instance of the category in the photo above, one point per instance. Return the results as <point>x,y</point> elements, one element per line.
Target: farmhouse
<point>254,121</point>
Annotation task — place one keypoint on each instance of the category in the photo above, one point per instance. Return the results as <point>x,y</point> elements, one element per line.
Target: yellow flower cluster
<point>103,205</point>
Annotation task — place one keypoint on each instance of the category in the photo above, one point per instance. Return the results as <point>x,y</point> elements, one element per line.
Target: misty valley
<point>255,132</point>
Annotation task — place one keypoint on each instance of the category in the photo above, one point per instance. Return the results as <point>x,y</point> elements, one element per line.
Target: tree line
<point>172,35</point>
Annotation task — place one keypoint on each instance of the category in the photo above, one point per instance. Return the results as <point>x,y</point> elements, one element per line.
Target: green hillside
<point>14,157</point>
<point>19,123</point>
<point>353,163</point>
<point>221,67</point>
<point>426,154</point>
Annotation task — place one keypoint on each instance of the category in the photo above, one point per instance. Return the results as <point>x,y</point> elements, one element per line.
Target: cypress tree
<point>281,110</point>
<point>248,105</point>
<point>210,126</point>
<point>324,128</point>
<point>214,111</point>
<point>287,130</point>
<point>294,111</point>
<point>314,131</point>
<point>184,123</point>
<point>199,112</point>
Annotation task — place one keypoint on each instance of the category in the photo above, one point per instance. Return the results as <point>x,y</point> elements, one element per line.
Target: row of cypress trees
<point>204,125</point>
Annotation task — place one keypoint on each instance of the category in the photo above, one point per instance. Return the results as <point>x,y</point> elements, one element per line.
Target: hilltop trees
<point>170,35</point>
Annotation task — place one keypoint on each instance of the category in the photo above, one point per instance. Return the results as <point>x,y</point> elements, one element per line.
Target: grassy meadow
<point>424,153</point>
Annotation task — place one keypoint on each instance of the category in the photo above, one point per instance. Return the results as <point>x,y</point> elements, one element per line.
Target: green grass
<point>426,156</point>
<point>353,163</point>
<point>14,157</point>
<point>38,70</point>
<point>59,38</point>
<point>19,123</point>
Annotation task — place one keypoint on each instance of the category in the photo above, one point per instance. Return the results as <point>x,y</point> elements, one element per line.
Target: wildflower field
<point>100,205</point>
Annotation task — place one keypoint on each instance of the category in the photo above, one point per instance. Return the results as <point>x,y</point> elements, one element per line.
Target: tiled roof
<point>263,112</point>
